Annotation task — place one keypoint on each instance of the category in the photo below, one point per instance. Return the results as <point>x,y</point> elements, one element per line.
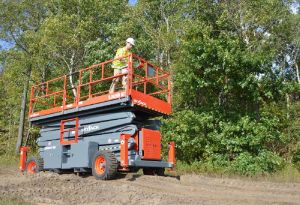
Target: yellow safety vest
<point>121,63</point>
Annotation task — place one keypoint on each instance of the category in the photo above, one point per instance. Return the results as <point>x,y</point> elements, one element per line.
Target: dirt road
<point>51,188</point>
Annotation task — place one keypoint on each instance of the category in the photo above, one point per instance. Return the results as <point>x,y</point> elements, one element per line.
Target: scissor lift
<point>84,128</point>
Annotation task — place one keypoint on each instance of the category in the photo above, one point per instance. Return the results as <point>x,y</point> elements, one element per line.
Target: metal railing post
<point>129,75</point>
<point>64,93</point>
<point>47,87</point>
<point>90,85</point>
<point>31,100</point>
<point>169,89</point>
<point>77,98</point>
<point>146,78</point>
<point>102,71</point>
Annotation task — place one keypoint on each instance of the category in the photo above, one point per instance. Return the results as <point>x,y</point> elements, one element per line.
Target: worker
<point>120,66</point>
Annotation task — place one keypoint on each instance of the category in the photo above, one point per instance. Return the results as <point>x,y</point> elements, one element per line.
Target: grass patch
<point>288,174</point>
<point>9,160</point>
<point>13,201</point>
<point>198,168</point>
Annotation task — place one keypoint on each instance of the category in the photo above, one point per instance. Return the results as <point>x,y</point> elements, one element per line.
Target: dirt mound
<point>51,188</point>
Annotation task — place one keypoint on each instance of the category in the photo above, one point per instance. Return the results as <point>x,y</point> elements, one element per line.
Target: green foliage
<point>246,146</point>
<point>287,174</point>
<point>230,75</point>
<point>9,160</point>
<point>98,51</point>
<point>264,162</point>
<point>292,131</point>
<point>190,131</point>
<point>234,68</point>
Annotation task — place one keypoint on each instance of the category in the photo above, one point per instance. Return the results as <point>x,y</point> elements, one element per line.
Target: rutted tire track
<point>51,188</point>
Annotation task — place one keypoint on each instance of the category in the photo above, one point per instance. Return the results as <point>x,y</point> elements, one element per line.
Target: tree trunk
<point>28,133</point>
<point>23,111</point>
<point>287,106</point>
<point>71,70</point>
<point>72,83</point>
<point>297,72</point>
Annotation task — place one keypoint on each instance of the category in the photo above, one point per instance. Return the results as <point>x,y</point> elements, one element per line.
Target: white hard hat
<point>130,40</point>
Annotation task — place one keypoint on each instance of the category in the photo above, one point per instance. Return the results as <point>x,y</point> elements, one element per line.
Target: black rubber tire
<point>39,164</point>
<point>154,171</point>
<point>111,165</point>
<point>148,171</point>
<point>160,171</point>
<point>134,169</point>
<point>58,171</point>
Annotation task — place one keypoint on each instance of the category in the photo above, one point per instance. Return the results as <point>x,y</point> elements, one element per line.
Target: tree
<point>157,25</point>
<point>229,76</point>
<point>71,26</point>
<point>51,37</point>
<point>20,22</point>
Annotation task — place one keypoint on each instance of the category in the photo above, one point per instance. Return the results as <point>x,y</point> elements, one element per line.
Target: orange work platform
<point>148,86</point>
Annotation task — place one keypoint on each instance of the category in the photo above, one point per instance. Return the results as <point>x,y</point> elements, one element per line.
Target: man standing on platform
<point>120,66</point>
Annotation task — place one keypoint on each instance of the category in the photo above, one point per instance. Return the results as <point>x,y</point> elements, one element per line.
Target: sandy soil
<point>51,188</point>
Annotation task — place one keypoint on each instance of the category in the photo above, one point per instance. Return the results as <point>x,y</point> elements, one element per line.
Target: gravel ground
<point>51,188</point>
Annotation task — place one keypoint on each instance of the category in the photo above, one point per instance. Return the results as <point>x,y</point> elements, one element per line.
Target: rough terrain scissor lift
<point>84,128</point>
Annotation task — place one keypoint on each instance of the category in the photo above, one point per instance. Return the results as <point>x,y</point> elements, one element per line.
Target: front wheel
<point>34,165</point>
<point>105,165</point>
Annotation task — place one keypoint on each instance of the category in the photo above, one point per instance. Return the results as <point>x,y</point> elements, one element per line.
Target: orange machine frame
<point>63,131</point>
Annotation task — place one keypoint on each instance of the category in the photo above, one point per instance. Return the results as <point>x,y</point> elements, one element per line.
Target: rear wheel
<point>34,165</point>
<point>148,171</point>
<point>134,169</point>
<point>58,171</point>
<point>104,165</point>
<point>160,171</point>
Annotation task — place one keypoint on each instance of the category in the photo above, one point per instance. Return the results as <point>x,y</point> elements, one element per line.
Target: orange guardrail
<point>148,85</point>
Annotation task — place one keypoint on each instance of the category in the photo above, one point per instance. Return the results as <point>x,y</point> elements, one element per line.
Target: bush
<point>296,156</point>
<point>190,132</point>
<point>248,164</point>
<point>245,146</point>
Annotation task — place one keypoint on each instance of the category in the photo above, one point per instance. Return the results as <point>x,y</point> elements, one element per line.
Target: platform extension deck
<point>147,92</point>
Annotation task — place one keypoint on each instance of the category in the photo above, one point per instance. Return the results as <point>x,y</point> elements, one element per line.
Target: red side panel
<point>151,144</point>
<point>150,102</point>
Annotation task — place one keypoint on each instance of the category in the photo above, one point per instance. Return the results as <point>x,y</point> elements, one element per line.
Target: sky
<point>132,2</point>
<point>5,45</point>
<point>295,7</point>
